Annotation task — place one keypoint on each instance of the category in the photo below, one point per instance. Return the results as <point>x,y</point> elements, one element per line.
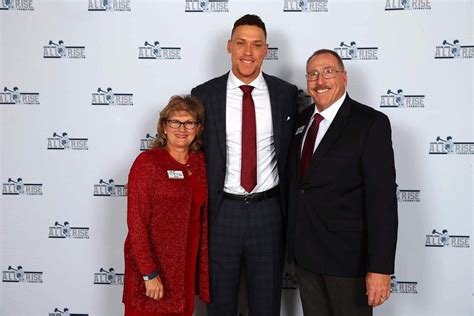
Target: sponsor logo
<point>18,275</point>
<point>405,5</point>
<point>21,5</point>
<point>109,5</point>
<point>156,51</point>
<point>443,239</point>
<point>397,99</point>
<point>108,277</point>
<point>66,231</point>
<point>305,5</point>
<point>62,142</point>
<point>109,97</point>
<point>206,6</point>
<point>147,142</point>
<point>402,287</point>
<point>304,100</point>
<point>109,188</point>
<point>448,146</point>
<point>353,52</point>
<point>65,312</point>
<point>59,50</point>
<point>454,49</point>
<point>15,96</point>
<point>272,53</point>
<point>289,282</point>
<point>408,195</point>
<point>18,187</point>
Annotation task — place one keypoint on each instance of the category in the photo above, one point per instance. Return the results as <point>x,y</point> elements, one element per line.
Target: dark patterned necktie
<point>308,147</point>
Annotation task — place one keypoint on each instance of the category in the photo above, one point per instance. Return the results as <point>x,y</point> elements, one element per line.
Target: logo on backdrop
<point>402,287</point>
<point>147,142</point>
<point>206,6</point>
<point>394,5</point>
<point>109,97</point>
<point>109,5</point>
<point>397,99</point>
<point>352,52</point>
<point>454,49</point>
<point>109,277</point>
<point>444,239</point>
<point>408,195</point>
<point>65,312</point>
<point>15,96</point>
<point>109,188</point>
<point>448,146</point>
<point>19,275</point>
<point>305,5</point>
<point>303,100</point>
<point>289,281</point>
<point>59,50</point>
<point>272,53</point>
<point>64,230</point>
<point>153,50</point>
<point>18,187</point>
<point>63,142</point>
<point>23,5</point>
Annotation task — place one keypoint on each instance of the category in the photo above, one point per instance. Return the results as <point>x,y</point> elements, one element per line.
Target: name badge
<point>299,130</point>
<point>175,174</point>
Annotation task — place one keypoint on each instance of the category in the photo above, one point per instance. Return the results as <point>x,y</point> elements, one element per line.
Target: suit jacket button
<point>301,191</point>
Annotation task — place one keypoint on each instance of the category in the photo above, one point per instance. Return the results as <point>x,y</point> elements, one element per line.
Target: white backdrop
<point>67,148</point>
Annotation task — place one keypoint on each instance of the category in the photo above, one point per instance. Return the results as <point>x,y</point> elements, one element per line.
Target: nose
<point>248,49</point>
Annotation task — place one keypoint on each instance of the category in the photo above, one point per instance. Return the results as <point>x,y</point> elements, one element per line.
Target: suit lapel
<point>305,117</point>
<point>332,134</point>
<point>277,112</point>
<point>218,107</point>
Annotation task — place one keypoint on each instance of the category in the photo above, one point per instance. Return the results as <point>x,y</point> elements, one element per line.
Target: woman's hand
<point>154,288</point>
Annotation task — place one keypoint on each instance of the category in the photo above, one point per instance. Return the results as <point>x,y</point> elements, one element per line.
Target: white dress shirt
<point>267,172</point>
<point>329,114</point>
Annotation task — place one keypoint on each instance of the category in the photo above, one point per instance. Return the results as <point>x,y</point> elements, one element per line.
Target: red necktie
<point>248,173</point>
<point>309,141</point>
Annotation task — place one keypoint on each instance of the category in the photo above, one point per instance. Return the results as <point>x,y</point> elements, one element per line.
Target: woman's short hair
<point>181,103</point>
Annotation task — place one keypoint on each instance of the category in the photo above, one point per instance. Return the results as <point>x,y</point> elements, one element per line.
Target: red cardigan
<point>157,218</point>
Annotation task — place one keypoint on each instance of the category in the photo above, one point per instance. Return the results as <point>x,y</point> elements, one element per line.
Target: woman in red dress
<point>166,256</point>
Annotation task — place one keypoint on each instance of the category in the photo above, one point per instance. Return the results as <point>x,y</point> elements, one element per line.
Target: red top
<point>159,207</point>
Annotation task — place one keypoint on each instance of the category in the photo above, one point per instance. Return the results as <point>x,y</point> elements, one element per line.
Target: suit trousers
<point>248,238</point>
<point>326,295</point>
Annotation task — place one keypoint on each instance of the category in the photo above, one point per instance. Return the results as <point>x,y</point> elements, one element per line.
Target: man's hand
<point>154,288</point>
<point>378,288</point>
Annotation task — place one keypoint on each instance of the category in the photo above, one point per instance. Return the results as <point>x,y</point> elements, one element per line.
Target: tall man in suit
<point>247,174</point>
<point>343,208</point>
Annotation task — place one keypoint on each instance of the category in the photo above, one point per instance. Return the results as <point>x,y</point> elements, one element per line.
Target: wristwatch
<point>150,276</point>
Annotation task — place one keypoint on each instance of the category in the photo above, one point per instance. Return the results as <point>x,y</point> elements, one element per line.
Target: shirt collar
<point>330,113</point>
<point>234,83</point>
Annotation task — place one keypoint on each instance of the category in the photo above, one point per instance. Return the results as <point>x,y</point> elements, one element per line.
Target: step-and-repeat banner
<point>82,83</point>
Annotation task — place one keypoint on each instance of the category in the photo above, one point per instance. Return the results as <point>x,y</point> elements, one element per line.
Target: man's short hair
<point>327,51</point>
<point>250,19</point>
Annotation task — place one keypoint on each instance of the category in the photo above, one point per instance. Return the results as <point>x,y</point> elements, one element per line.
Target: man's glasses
<point>189,125</point>
<point>326,73</point>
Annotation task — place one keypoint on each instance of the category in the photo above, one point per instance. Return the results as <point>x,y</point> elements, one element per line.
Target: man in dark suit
<point>343,209</point>
<point>248,129</point>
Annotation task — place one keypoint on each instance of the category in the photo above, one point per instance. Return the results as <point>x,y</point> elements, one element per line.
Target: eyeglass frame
<point>325,72</point>
<point>195,124</point>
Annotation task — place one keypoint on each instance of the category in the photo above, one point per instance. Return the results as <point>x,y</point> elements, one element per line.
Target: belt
<point>253,197</point>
